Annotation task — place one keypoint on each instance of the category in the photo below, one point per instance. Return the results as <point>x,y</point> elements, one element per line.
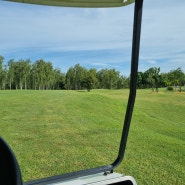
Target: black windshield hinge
<point>108,172</point>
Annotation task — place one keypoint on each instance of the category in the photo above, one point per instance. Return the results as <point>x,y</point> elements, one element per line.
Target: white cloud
<point>152,62</point>
<point>28,26</point>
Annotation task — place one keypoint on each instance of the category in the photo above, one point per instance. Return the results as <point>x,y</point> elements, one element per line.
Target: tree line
<point>41,75</point>
<point>152,78</point>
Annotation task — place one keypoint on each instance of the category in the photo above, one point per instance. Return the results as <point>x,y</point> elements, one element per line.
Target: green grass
<point>55,132</point>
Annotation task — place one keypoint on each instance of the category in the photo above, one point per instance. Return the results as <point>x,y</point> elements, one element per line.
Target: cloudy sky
<point>95,38</point>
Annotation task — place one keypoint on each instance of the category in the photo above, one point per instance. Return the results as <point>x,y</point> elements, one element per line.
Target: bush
<point>169,88</point>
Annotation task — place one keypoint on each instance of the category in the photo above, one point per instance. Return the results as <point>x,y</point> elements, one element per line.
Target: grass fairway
<point>55,132</point>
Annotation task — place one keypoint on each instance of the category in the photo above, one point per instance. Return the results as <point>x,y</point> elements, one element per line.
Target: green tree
<point>59,79</point>
<point>89,81</point>
<point>1,70</point>
<point>70,79</point>
<point>75,77</point>
<point>165,81</point>
<point>177,77</point>
<point>153,77</point>
<point>17,75</point>
<point>34,76</point>
<point>92,72</point>
<point>108,78</point>
<point>25,68</point>
<point>79,74</point>
<point>20,70</point>
<point>113,78</point>
<point>40,73</point>
<point>4,77</point>
<point>49,75</point>
<point>140,80</point>
<point>11,72</point>
<point>123,82</point>
<point>103,78</point>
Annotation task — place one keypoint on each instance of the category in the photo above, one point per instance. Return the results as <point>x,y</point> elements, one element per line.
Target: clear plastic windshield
<point>54,123</point>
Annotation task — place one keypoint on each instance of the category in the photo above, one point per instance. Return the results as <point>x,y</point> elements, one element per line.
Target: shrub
<point>169,88</point>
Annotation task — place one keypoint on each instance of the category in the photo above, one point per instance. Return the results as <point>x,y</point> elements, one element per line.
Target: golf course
<point>58,131</point>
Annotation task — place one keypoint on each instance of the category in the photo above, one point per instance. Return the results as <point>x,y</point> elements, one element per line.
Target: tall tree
<point>70,79</point>
<point>26,67</point>
<point>177,77</point>
<point>92,72</point>
<point>40,71</point>
<point>21,70</point>
<point>4,77</point>
<point>153,77</point>
<point>79,74</point>
<point>34,76</point>
<point>49,75</point>
<point>1,70</point>
<point>75,77</point>
<point>113,78</point>
<point>59,79</point>
<point>102,77</point>
<point>17,75</point>
<point>108,78</point>
<point>140,80</point>
<point>11,72</point>
<point>123,82</point>
<point>89,80</point>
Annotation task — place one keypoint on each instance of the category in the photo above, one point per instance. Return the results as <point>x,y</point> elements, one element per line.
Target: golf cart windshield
<point>133,80</point>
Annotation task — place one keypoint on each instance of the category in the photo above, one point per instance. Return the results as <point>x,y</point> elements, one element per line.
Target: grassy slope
<point>54,132</point>
<point>156,147</point>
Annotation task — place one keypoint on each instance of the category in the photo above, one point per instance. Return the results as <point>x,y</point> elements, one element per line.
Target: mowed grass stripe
<point>54,132</point>
<point>73,124</point>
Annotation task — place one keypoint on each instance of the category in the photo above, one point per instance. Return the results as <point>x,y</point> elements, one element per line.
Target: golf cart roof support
<point>133,83</point>
<point>133,79</point>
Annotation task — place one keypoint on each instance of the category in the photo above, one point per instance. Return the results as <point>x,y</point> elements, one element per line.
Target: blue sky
<point>95,38</point>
